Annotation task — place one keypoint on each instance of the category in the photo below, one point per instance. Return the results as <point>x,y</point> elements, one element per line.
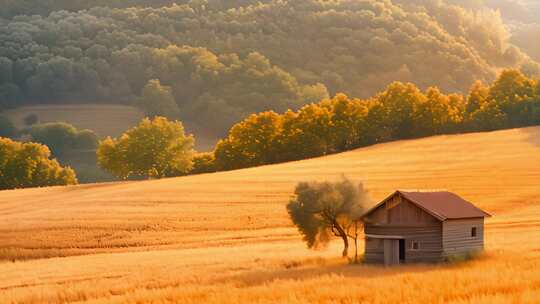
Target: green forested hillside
<point>223,60</point>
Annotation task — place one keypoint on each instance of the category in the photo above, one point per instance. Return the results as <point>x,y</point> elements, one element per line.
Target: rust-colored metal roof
<point>442,205</point>
<point>446,205</point>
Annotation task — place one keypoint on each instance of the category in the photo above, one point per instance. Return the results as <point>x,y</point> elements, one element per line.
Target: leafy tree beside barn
<point>323,210</point>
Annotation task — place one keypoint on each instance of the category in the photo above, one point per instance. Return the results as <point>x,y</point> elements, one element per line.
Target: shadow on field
<point>334,268</point>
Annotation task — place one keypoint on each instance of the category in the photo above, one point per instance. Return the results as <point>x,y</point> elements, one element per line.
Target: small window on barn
<point>415,245</point>
<point>473,232</point>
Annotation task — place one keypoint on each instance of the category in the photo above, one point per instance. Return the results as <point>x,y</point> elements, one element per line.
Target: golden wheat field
<point>226,237</point>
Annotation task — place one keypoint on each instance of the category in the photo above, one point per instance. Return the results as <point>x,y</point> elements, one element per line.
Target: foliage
<point>154,149</point>
<point>226,59</point>
<point>401,111</point>
<point>157,100</point>
<point>86,140</point>
<point>250,142</point>
<point>203,163</point>
<point>24,165</point>
<point>320,210</point>
<point>58,136</point>
<point>7,129</point>
<point>62,137</point>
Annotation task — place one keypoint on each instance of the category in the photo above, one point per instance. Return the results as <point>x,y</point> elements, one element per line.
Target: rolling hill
<point>105,120</point>
<point>226,237</point>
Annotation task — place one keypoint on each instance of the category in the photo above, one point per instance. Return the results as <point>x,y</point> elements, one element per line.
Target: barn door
<point>391,252</point>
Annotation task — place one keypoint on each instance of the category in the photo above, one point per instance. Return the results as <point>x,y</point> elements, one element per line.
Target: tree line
<point>158,147</point>
<point>218,61</point>
<point>402,111</point>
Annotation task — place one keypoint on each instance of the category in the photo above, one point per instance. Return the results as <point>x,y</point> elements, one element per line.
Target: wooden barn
<point>420,227</point>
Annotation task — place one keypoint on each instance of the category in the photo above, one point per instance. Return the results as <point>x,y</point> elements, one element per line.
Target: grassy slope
<point>226,238</point>
<point>105,120</point>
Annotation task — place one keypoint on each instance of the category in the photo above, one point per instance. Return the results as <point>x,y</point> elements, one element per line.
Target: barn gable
<point>398,210</point>
<point>440,205</point>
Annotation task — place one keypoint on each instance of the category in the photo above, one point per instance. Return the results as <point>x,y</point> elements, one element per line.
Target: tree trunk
<point>345,239</point>
<point>356,242</point>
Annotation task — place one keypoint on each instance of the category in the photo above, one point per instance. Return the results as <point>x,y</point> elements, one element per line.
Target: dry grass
<point>105,120</point>
<point>225,238</point>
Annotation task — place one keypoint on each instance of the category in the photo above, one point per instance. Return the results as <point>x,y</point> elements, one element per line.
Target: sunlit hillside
<point>226,237</point>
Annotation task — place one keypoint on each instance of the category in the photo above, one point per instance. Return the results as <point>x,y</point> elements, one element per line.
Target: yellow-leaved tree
<point>155,148</point>
<point>24,165</point>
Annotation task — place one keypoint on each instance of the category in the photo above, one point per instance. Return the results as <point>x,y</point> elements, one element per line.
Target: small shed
<point>420,227</point>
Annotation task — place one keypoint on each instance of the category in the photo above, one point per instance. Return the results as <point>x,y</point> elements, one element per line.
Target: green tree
<point>7,129</point>
<point>320,210</point>
<point>154,149</point>
<point>86,140</point>
<point>58,136</point>
<point>24,165</point>
<point>158,100</point>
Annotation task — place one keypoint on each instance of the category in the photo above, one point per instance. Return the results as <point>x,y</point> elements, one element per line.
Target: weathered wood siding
<point>399,217</point>
<point>398,210</point>
<point>428,237</point>
<point>457,237</point>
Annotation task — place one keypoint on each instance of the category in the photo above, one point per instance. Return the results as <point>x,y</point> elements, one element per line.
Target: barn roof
<point>442,205</point>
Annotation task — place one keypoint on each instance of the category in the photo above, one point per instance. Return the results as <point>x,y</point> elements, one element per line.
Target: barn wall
<point>457,237</point>
<point>428,237</point>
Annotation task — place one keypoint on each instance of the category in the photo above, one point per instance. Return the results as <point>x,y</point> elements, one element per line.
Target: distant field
<point>226,237</point>
<point>105,120</point>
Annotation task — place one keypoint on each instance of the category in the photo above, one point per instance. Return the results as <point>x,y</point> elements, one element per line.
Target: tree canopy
<point>323,210</point>
<point>401,111</point>
<point>61,137</point>
<point>221,60</point>
<point>154,149</point>
<point>24,165</point>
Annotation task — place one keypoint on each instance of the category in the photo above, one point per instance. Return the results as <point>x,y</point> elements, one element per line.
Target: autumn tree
<point>250,142</point>
<point>312,132</point>
<point>348,122</point>
<point>155,148</point>
<point>400,102</point>
<point>511,92</point>
<point>323,210</point>
<point>24,165</point>
<point>203,163</point>
<point>439,113</point>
